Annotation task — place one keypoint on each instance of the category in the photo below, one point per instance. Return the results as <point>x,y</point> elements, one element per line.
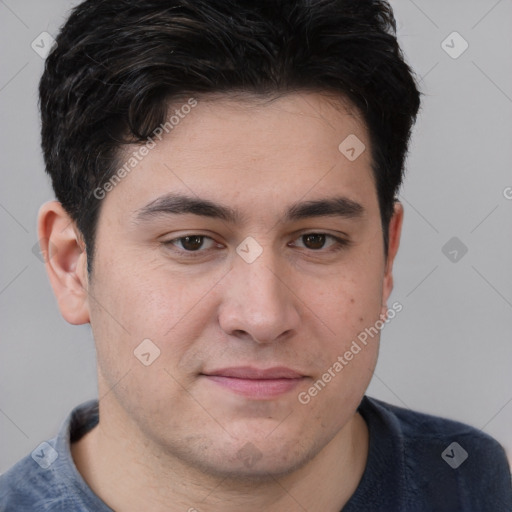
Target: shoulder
<point>443,459</point>
<point>30,486</point>
<point>418,428</point>
<point>47,479</point>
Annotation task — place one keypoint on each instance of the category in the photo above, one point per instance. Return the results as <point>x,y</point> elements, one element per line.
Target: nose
<point>258,300</point>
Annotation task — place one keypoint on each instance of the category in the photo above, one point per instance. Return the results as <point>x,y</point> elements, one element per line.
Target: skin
<point>169,437</point>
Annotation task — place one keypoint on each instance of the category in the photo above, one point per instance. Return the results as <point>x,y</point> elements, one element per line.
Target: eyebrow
<point>178,204</point>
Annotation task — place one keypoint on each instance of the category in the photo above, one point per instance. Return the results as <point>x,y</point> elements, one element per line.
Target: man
<point>226,175</point>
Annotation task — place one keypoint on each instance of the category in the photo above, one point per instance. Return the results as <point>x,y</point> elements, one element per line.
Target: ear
<point>395,230</point>
<point>65,260</point>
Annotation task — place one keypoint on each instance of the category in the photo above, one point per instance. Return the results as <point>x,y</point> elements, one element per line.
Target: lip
<point>257,383</point>
<point>249,372</point>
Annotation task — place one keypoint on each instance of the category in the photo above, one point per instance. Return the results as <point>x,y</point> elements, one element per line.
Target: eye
<point>317,242</point>
<point>192,243</point>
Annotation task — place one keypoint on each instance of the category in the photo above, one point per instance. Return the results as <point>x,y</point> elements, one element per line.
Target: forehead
<point>255,152</point>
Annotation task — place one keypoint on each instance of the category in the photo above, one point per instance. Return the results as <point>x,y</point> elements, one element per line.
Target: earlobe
<point>395,229</point>
<point>65,261</point>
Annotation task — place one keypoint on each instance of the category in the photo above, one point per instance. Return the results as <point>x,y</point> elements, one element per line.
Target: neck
<point>129,474</point>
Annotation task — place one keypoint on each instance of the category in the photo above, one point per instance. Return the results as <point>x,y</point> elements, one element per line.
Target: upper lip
<point>249,372</point>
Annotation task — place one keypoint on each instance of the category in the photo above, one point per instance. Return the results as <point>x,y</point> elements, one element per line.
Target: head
<point>218,121</point>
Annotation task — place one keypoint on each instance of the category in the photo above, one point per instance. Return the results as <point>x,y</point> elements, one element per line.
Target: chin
<point>250,464</point>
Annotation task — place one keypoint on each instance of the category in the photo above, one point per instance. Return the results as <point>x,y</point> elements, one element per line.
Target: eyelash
<point>339,244</point>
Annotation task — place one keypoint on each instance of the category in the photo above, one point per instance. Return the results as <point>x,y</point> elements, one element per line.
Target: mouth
<point>256,383</point>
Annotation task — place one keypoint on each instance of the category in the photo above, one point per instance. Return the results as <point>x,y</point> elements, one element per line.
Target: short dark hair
<point>118,64</point>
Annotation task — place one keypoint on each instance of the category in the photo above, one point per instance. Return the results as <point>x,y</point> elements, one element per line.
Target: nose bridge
<point>257,301</point>
<point>263,287</point>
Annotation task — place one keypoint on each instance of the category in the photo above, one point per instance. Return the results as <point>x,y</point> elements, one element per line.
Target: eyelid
<point>339,243</point>
<point>184,251</point>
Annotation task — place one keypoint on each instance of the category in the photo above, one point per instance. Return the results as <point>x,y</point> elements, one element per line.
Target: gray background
<point>449,351</point>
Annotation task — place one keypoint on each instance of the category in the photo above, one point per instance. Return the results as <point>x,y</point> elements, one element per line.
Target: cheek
<point>349,353</point>
<point>350,306</point>
<point>351,302</point>
<point>130,309</point>
<point>138,302</point>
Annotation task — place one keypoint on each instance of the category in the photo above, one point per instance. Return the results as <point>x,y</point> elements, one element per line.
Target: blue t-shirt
<point>416,463</point>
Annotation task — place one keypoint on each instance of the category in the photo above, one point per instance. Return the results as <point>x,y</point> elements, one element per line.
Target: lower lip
<point>256,388</point>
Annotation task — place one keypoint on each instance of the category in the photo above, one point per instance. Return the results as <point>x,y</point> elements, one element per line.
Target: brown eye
<point>192,243</point>
<point>321,242</point>
<point>314,240</point>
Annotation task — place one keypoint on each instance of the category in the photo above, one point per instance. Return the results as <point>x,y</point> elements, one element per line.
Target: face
<point>248,300</point>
